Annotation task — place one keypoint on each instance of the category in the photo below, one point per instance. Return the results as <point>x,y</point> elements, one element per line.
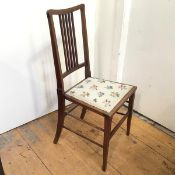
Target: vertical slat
<point>69,51</point>
<point>71,40</point>
<point>64,41</point>
<point>74,39</point>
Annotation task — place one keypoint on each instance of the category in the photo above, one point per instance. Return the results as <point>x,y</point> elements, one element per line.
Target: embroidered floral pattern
<point>95,100</point>
<point>85,94</point>
<point>122,87</point>
<point>107,103</point>
<point>102,94</point>
<point>109,87</point>
<point>80,86</point>
<point>114,94</point>
<point>101,81</point>
<point>94,87</point>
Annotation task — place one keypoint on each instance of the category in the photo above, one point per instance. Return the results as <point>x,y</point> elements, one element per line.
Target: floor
<point>155,124</point>
<point>28,150</point>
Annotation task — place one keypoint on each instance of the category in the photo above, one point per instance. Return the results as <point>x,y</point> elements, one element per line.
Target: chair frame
<point>71,60</point>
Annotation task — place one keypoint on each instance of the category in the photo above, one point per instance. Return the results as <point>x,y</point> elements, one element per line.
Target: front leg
<point>107,133</point>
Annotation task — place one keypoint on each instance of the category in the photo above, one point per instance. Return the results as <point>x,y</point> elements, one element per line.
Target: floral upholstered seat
<point>102,94</point>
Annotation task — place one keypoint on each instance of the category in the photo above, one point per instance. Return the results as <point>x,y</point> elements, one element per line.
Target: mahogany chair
<point>100,96</point>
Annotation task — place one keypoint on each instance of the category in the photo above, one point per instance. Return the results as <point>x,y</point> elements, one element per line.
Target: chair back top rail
<point>64,11</point>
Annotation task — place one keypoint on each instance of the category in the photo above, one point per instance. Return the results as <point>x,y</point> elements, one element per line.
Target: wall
<point>109,18</point>
<point>149,62</point>
<point>27,80</point>
<point>135,44</point>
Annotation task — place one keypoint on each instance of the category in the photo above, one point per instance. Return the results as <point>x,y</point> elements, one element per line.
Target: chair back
<point>67,28</point>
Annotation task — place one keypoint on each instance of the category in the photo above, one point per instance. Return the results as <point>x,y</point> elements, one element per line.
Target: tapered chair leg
<point>61,116</point>
<point>83,112</point>
<point>130,111</point>
<point>107,131</point>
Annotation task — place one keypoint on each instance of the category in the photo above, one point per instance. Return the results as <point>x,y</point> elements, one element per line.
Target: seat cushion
<point>102,94</point>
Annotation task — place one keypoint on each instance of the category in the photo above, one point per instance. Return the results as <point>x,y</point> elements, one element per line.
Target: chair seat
<point>99,93</point>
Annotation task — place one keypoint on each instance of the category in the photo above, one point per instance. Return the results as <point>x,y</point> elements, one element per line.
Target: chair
<point>98,95</point>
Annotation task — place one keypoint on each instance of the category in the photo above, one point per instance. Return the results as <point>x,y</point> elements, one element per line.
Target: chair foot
<point>60,123</point>
<point>107,132</point>
<point>130,111</point>
<point>104,167</point>
<point>128,125</point>
<point>83,112</point>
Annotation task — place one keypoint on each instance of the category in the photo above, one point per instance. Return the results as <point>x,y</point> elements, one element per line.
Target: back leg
<point>130,110</point>
<point>83,112</point>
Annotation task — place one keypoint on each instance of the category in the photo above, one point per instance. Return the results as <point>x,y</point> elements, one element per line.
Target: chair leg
<point>83,112</point>
<point>60,122</point>
<point>107,132</point>
<point>130,110</point>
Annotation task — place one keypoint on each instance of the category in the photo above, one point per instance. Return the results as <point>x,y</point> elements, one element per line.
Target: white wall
<point>109,16</point>
<point>27,79</point>
<point>135,44</point>
<point>150,59</point>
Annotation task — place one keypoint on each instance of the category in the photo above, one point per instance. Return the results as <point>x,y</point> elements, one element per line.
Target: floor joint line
<point>150,147</point>
<point>34,152</point>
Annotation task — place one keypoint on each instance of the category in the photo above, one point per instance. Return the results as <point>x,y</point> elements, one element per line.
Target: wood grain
<point>30,149</point>
<point>65,157</point>
<point>18,157</point>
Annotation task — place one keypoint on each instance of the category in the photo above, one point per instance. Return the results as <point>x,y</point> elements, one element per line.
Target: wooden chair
<point>100,96</point>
